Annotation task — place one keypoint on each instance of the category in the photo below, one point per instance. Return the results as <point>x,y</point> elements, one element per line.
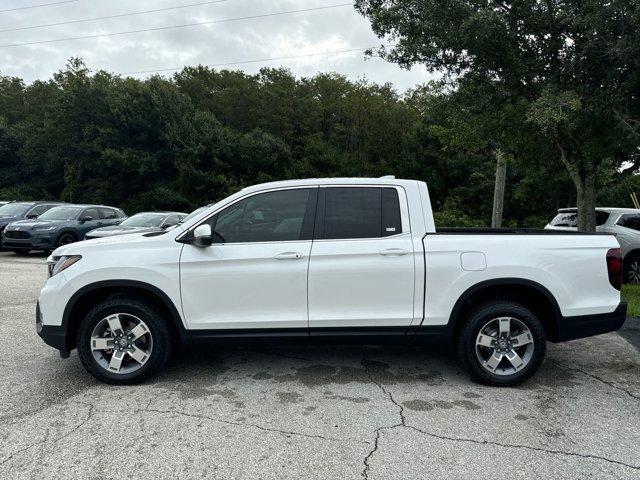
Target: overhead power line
<point>120,15</point>
<point>37,6</point>
<point>171,27</point>
<point>243,62</point>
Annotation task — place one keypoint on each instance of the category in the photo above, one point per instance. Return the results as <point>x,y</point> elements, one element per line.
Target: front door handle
<point>289,256</point>
<point>394,252</point>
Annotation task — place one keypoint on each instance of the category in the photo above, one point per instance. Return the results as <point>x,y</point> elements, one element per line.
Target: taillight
<point>614,267</point>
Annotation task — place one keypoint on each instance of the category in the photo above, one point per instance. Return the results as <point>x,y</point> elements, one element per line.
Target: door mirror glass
<point>202,235</point>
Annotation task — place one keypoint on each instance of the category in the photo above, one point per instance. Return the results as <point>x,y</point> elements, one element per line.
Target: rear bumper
<point>571,328</point>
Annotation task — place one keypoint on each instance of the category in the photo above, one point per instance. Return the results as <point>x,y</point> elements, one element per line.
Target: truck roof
<point>387,180</point>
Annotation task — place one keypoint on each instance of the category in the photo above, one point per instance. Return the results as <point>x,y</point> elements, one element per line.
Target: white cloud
<point>278,36</point>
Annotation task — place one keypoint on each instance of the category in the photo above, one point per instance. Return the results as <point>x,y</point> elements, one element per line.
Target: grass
<point>631,293</point>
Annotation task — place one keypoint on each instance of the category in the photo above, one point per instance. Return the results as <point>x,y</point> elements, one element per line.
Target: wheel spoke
<point>485,341</point>
<point>515,359</point>
<point>505,326</point>
<point>116,361</point>
<point>115,324</point>
<point>493,361</point>
<point>522,339</point>
<point>101,343</point>
<point>139,331</point>
<point>138,355</point>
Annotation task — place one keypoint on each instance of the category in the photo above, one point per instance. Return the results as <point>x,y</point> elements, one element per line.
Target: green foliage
<point>567,68</point>
<point>183,142</point>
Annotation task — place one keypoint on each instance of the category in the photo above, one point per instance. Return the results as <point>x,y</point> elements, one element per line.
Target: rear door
<point>361,270</point>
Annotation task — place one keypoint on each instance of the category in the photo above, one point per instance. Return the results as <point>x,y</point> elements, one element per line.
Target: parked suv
<point>58,226</point>
<point>336,261</point>
<point>13,211</point>
<point>143,222</point>
<point>624,223</point>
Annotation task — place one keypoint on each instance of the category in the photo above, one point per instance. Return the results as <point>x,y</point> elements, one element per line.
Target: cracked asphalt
<point>312,412</point>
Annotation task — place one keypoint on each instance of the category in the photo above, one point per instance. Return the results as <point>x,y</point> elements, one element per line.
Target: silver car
<point>624,223</point>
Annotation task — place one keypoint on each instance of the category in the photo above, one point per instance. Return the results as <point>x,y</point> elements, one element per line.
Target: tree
<point>573,63</point>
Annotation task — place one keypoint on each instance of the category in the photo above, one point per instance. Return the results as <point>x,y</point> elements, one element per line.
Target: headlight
<point>44,229</point>
<point>60,264</point>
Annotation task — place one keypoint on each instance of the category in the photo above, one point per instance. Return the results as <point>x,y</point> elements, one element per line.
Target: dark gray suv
<point>13,211</point>
<point>59,226</point>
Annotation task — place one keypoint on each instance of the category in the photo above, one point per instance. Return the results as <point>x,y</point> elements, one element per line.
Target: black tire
<point>477,320</point>
<point>21,251</point>
<point>631,269</point>
<point>153,319</point>
<point>65,239</point>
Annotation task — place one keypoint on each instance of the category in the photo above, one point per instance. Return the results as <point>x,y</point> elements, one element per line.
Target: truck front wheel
<point>502,344</point>
<point>123,340</point>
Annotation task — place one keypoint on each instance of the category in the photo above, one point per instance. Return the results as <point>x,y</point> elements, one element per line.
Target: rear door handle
<point>394,252</point>
<point>289,256</point>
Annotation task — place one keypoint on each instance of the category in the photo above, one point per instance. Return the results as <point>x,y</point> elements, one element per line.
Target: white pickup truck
<point>329,260</point>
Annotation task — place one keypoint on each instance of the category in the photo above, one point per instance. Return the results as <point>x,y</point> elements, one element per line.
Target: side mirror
<point>85,219</point>
<point>32,216</point>
<point>202,235</point>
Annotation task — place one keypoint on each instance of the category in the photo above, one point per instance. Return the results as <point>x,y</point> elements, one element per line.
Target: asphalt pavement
<point>311,412</point>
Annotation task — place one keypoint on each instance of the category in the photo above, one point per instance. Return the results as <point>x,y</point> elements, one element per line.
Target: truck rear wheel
<point>123,341</point>
<point>502,344</point>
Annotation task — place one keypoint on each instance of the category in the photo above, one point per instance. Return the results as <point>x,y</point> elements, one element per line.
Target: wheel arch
<point>88,296</point>
<point>631,253</point>
<point>528,293</point>
<point>65,231</point>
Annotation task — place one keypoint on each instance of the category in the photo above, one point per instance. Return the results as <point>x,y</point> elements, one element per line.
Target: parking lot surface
<point>311,412</point>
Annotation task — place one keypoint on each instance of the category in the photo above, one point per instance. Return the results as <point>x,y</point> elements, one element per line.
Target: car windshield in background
<point>196,212</point>
<point>144,220</point>
<point>61,213</point>
<point>14,209</point>
<point>570,219</point>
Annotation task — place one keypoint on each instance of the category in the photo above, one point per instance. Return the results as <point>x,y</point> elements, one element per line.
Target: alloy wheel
<point>504,346</point>
<point>633,272</point>
<point>65,240</point>
<point>121,343</point>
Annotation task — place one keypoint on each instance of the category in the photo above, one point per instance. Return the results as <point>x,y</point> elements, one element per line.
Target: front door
<point>361,272</point>
<point>255,274</point>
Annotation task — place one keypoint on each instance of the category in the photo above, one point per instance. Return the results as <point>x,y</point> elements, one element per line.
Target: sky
<point>328,28</point>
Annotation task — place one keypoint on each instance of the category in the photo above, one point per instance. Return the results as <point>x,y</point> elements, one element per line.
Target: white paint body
<point>338,283</point>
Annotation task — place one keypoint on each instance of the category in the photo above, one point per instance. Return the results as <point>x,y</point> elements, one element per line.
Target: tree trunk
<point>498,192</point>
<point>584,178</point>
<point>586,188</point>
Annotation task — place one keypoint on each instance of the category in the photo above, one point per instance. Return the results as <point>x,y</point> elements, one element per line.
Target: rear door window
<point>361,212</point>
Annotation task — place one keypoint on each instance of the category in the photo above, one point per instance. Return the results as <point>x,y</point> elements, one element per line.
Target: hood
<point>115,243</point>
<point>119,230</point>
<point>30,224</point>
<point>6,219</point>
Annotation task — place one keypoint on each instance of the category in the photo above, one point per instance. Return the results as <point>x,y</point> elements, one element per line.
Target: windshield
<point>144,220</point>
<point>570,219</point>
<point>14,209</point>
<point>61,213</point>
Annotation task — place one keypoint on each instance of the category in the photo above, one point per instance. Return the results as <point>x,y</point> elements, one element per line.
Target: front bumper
<point>53,335</point>
<point>36,241</point>
<point>571,328</point>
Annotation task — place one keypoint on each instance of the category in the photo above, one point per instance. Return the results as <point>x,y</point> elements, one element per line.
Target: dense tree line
<point>189,140</point>
<point>563,73</point>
